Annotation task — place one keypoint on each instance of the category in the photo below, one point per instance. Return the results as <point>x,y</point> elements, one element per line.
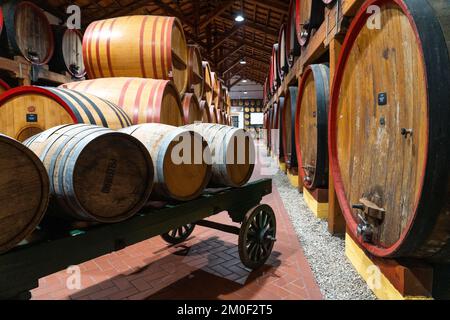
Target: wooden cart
<point>63,245</point>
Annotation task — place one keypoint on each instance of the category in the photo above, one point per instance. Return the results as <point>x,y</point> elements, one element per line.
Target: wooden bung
<point>24,192</point>
<point>311,127</point>
<point>389,133</point>
<point>28,110</point>
<point>137,46</point>
<point>143,100</point>
<point>176,178</point>
<point>233,153</point>
<point>191,108</point>
<point>96,174</point>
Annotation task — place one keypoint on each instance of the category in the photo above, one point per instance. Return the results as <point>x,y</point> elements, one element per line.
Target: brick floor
<point>206,266</point>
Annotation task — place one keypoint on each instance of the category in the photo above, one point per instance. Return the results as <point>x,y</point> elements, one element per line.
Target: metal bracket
<point>370,217</point>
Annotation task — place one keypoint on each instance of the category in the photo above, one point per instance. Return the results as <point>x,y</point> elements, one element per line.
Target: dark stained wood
<point>288,118</point>
<point>24,192</point>
<point>389,129</point>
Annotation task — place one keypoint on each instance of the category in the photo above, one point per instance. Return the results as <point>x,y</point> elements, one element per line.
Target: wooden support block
<point>317,201</point>
<point>387,278</point>
<point>293,178</point>
<point>282,166</point>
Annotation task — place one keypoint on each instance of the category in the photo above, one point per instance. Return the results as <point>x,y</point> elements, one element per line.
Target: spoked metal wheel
<point>257,236</point>
<point>178,235</point>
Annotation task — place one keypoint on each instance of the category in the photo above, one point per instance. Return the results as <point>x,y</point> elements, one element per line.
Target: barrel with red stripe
<point>191,109</point>
<point>4,86</point>
<point>26,111</point>
<point>137,46</point>
<point>143,100</point>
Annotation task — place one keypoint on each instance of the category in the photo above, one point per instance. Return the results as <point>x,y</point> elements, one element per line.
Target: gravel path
<point>335,275</point>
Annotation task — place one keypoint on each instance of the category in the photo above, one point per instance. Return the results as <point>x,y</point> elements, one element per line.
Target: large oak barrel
<point>288,118</point>
<point>143,100</point>
<point>208,90</point>
<point>206,116</point>
<point>24,192</point>
<point>181,157</point>
<point>311,126</point>
<point>217,91</point>
<point>280,110</point>
<point>233,153</point>
<point>68,55</point>
<point>28,31</point>
<point>283,60</point>
<point>213,114</point>
<point>276,81</point>
<point>310,15</point>
<point>137,46</point>
<point>96,174</point>
<point>26,111</point>
<point>389,133</point>
<point>292,45</point>
<point>191,108</point>
<point>195,69</point>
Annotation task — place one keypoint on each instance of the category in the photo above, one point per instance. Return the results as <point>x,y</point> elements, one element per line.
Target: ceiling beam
<point>172,12</point>
<point>228,54</point>
<point>216,12</point>
<point>236,81</point>
<point>227,35</point>
<point>277,6</point>
<point>253,26</point>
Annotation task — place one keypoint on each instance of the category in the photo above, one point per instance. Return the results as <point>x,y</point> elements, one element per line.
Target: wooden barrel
<point>266,91</point>
<point>213,114</point>
<point>1,20</point>
<point>389,133</point>
<point>233,153</point>
<point>68,56</point>
<point>195,71</point>
<point>328,2</point>
<point>4,86</point>
<point>96,174</point>
<point>292,45</point>
<point>288,133</point>
<point>310,15</point>
<point>28,31</point>
<point>208,84</point>
<point>217,89</point>
<point>283,60</point>
<point>137,46</point>
<point>24,192</point>
<point>276,81</point>
<point>28,110</point>
<point>311,126</point>
<point>143,100</point>
<point>280,129</point>
<point>179,179</point>
<point>206,116</point>
<point>191,108</point>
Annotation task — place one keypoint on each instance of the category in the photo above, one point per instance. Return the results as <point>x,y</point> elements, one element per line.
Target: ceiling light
<point>244,81</point>
<point>245,92</point>
<point>239,18</point>
<point>243,61</point>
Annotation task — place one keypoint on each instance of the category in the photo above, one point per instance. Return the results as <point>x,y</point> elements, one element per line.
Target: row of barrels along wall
<point>385,133</point>
<point>304,17</point>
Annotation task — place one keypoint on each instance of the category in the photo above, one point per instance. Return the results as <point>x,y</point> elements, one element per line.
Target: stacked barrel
<point>150,124</point>
<point>382,131</point>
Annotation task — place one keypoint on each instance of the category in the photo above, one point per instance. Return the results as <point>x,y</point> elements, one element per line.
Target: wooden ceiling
<point>208,23</point>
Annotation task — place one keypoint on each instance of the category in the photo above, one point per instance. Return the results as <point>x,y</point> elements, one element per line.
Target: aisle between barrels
<point>153,270</point>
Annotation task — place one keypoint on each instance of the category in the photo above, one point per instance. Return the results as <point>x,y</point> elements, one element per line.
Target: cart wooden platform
<point>62,245</point>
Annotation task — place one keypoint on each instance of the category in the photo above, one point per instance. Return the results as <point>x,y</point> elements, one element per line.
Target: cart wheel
<point>178,235</point>
<point>257,236</point>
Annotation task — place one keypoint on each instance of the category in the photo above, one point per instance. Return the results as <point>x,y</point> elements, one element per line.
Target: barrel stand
<point>63,245</point>
<point>399,279</point>
<point>317,201</point>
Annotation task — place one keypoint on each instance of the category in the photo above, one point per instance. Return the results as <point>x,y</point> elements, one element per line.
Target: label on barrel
<point>382,99</point>
<point>32,117</point>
